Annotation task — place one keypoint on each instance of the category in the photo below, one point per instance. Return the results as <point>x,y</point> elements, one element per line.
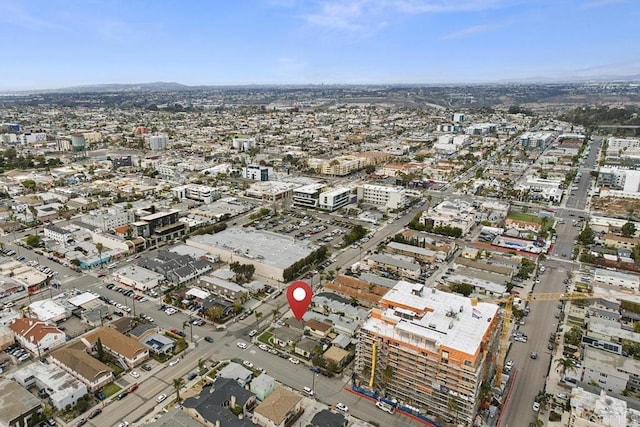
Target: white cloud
<point>467,32</point>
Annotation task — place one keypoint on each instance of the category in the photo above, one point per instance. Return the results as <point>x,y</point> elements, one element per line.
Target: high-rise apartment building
<point>427,348</point>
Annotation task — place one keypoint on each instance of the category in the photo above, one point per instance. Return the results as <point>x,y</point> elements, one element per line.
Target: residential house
<point>126,348</point>
<point>36,336</point>
<point>326,418</point>
<point>262,386</point>
<point>75,360</point>
<point>317,329</point>
<point>215,403</point>
<point>285,337</point>
<point>236,372</point>
<point>278,409</point>
<point>305,347</point>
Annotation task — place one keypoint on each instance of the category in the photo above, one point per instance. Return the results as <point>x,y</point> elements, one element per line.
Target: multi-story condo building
<point>110,218</point>
<point>158,227</point>
<point>380,195</point>
<point>201,193</point>
<point>256,172</point>
<point>425,347</point>
<point>158,142</point>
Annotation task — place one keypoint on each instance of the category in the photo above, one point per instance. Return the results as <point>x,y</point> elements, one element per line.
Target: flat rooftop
<point>268,248</point>
<point>441,318</point>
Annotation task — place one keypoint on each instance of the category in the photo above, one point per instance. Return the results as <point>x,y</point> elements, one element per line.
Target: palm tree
<point>178,383</point>
<point>275,312</point>
<point>565,364</point>
<point>100,248</point>
<point>202,369</point>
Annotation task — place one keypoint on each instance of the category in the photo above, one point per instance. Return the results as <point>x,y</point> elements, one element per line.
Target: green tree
<point>100,350</point>
<point>100,248</point>
<point>258,316</point>
<point>202,369</point>
<point>178,383</point>
<point>215,313</point>
<point>452,404</point>
<point>237,306</point>
<point>462,288</point>
<point>33,240</point>
<point>586,236</point>
<point>628,229</point>
<point>29,184</point>
<point>564,364</point>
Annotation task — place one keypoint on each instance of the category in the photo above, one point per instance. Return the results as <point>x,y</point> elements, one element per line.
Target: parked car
<point>294,360</point>
<point>134,374</point>
<point>248,364</point>
<point>253,333</point>
<point>342,407</point>
<point>174,362</point>
<point>95,413</point>
<point>242,345</point>
<point>146,367</point>
<point>208,339</point>
<point>308,390</point>
<point>161,398</point>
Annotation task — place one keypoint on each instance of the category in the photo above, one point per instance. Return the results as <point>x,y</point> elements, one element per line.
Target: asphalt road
<point>532,374</point>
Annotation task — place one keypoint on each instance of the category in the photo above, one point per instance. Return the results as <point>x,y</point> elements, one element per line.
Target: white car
<point>263,347</point>
<point>241,345</point>
<point>134,374</point>
<point>294,360</point>
<point>341,406</point>
<point>562,396</point>
<point>247,364</point>
<point>536,406</point>
<point>308,390</point>
<point>174,362</point>
<point>253,333</point>
<point>161,398</point>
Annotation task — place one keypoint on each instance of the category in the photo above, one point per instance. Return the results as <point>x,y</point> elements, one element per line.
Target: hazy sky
<point>58,43</point>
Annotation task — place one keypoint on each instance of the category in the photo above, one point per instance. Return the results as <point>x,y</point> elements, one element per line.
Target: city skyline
<point>56,45</point>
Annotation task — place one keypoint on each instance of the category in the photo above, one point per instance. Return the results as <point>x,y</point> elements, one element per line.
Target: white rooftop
<point>83,298</point>
<point>450,323</point>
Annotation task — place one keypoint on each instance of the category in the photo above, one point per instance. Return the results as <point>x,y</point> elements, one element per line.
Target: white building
<point>64,390</point>
<point>618,145</point>
<point>624,180</point>
<point>308,196</point>
<point>56,233</point>
<point>138,277</point>
<point>597,410</point>
<point>379,195</point>
<point>617,278</point>
<point>451,213</point>
<point>539,140</point>
<point>256,172</point>
<point>158,142</point>
<point>334,199</point>
<point>36,336</point>
<point>110,218</point>
<point>201,193</point>
<point>49,311</point>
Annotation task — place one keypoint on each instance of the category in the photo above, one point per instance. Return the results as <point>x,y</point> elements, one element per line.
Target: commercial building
<point>198,192</point>
<point>49,311</point>
<point>450,213</point>
<point>110,218</point>
<point>380,195</point>
<point>334,199</point>
<point>308,196</point>
<point>138,277</point>
<point>256,172</point>
<point>436,345</point>
<point>270,253</point>
<point>617,278</point>
<point>58,234</point>
<point>158,227</point>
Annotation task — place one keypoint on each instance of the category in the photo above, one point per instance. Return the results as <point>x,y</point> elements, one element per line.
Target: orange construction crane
<point>508,314</point>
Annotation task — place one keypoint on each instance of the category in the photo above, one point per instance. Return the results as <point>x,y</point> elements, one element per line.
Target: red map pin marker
<point>299,296</point>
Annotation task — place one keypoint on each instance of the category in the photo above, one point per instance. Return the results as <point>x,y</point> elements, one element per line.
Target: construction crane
<point>508,314</point>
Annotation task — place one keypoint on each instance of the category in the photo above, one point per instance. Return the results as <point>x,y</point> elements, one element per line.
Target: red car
<point>133,388</point>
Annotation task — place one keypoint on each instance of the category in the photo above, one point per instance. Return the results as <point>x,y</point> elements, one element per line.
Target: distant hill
<point>125,87</point>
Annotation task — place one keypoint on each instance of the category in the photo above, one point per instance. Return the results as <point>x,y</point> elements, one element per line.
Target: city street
<point>531,374</point>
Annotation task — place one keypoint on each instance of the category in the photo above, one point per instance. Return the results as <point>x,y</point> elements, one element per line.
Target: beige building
<point>278,408</point>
